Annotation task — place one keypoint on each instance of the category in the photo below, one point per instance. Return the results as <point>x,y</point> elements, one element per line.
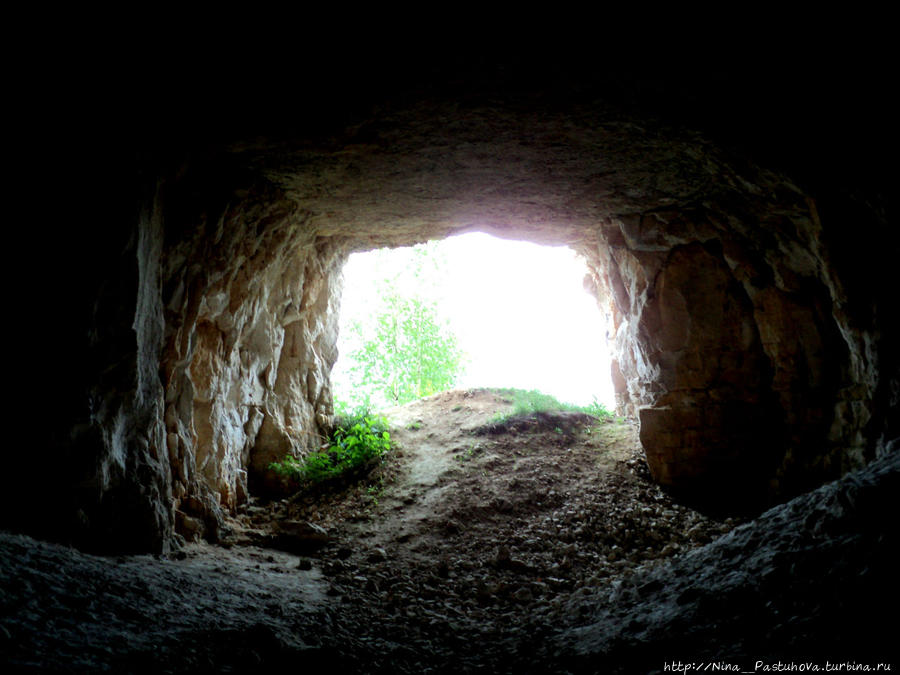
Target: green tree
<point>395,346</point>
<point>406,352</point>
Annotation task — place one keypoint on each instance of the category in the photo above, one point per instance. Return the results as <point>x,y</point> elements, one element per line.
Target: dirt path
<point>465,550</point>
<point>532,546</point>
<point>474,530</point>
<point>436,437</point>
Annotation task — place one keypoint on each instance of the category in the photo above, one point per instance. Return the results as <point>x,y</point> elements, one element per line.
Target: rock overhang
<point>240,246</point>
<point>667,221</point>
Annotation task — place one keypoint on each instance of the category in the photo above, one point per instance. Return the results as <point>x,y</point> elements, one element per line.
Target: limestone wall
<point>250,296</point>
<point>730,349</point>
<point>739,348</point>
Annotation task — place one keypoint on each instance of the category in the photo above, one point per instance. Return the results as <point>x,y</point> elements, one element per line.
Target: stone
<point>300,537</point>
<point>377,555</point>
<point>523,594</point>
<point>753,352</point>
<point>189,527</point>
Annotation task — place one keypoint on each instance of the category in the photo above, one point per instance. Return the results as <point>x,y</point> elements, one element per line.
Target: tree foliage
<point>400,349</point>
<point>408,354</point>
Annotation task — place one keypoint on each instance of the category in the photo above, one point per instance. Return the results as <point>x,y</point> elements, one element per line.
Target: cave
<point>197,309</point>
<point>521,315</point>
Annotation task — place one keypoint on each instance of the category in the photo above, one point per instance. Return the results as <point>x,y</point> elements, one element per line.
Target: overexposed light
<point>518,309</point>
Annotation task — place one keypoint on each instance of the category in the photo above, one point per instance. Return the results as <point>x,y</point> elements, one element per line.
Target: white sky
<point>518,309</point>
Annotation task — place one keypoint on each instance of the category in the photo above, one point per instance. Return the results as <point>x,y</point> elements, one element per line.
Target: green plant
<point>598,410</point>
<point>355,441</point>
<point>469,453</point>
<point>395,346</point>
<point>528,402</point>
<point>407,353</point>
<point>375,490</point>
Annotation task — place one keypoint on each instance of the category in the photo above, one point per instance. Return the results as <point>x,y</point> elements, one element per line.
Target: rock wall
<point>117,467</point>
<point>251,305</point>
<point>729,348</point>
<point>745,345</point>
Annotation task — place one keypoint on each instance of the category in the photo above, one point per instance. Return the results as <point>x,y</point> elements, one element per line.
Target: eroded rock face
<point>728,346</point>
<point>735,342</point>
<point>251,297</point>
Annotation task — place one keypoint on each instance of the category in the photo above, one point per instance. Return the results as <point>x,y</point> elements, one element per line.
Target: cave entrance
<point>518,311</point>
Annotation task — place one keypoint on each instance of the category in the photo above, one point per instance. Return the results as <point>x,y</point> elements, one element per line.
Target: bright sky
<point>518,309</point>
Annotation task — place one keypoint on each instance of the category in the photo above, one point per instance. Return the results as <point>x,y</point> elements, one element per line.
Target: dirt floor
<point>464,550</point>
<point>464,546</point>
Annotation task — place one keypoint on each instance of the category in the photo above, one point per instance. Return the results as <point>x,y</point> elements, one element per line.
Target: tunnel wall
<point>747,347</point>
<point>198,349</point>
<point>731,348</point>
<point>251,307</point>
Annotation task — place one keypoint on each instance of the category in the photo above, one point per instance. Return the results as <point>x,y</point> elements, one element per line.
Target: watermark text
<point>775,667</point>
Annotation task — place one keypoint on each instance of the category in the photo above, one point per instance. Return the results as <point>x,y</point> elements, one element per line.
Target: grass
<point>375,490</point>
<point>533,407</point>
<point>529,402</point>
<point>469,453</point>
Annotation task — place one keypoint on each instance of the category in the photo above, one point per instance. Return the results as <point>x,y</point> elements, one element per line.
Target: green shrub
<point>406,352</point>
<point>396,344</point>
<point>356,440</point>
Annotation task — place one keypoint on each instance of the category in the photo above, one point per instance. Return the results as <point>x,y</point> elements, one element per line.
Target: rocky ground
<point>470,538</point>
<point>533,545</point>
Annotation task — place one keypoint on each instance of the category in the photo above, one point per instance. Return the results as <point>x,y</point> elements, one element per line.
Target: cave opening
<point>518,315</point>
<point>745,232</point>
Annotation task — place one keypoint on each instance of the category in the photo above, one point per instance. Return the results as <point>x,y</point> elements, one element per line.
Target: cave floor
<point>462,551</point>
<point>463,547</point>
